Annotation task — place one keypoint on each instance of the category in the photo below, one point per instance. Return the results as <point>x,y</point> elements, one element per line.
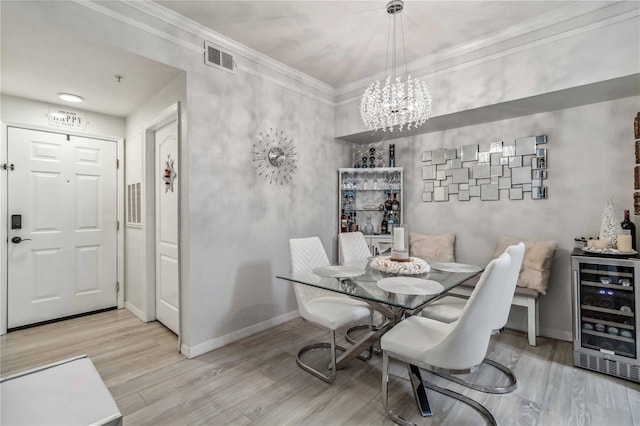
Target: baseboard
<point>199,349</point>
<point>135,311</point>
<point>552,333</point>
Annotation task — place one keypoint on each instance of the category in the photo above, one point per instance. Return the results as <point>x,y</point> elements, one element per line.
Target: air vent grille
<point>134,204</point>
<point>614,368</point>
<point>216,57</point>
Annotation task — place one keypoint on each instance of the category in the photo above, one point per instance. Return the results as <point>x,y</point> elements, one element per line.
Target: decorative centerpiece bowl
<point>412,266</point>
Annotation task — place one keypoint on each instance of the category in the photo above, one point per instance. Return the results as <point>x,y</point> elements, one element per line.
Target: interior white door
<point>167,265</point>
<point>64,189</point>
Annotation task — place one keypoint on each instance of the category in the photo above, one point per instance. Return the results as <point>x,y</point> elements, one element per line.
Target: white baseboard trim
<point>134,310</point>
<point>552,333</point>
<point>199,349</point>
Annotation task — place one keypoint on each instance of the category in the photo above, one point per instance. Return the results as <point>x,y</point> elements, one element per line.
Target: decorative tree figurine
<point>610,227</point>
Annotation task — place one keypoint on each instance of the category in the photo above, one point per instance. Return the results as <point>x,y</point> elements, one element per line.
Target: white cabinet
<point>371,201</point>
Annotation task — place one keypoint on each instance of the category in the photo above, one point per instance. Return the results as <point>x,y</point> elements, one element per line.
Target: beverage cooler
<point>606,302</point>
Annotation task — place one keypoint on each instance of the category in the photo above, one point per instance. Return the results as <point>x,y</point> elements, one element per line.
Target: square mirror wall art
<point>487,171</point>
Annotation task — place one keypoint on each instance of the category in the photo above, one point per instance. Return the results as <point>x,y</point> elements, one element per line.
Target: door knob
<point>17,240</point>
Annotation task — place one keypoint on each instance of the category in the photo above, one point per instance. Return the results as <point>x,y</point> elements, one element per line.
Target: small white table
<point>69,392</point>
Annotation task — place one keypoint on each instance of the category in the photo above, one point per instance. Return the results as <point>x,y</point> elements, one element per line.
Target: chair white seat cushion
<point>333,312</point>
<point>447,309</point>
<point>414,336</point>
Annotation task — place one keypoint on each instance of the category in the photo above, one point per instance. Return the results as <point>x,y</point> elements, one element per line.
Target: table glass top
<point>364,286</point>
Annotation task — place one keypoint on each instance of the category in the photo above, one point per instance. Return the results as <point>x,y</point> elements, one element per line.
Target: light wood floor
<point>256,380</point>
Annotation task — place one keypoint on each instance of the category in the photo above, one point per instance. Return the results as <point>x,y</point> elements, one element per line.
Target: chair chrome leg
<point>385,393</point>
<point>329,378</point>
<point>348,338</point>
<point>399,420</point>
<point>470,402</point>
<point>513,381</point>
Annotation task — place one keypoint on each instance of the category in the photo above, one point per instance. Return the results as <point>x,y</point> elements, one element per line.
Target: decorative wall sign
<point>274,156</point>
<point>469,172</point>
<point>66,118</point>
<point>169,174</point>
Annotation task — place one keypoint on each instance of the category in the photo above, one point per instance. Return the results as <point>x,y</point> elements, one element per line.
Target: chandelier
<point>399,101</point>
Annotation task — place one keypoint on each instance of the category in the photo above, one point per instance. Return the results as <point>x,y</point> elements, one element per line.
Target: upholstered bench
<point>523,297</point>
<point>532,281</point>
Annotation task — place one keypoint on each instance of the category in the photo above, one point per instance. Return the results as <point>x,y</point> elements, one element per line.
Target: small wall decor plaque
<point>274,156</point>
<point>169,174</point>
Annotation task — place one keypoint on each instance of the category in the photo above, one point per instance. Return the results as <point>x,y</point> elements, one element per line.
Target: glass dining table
<point>361,281</point>
<point>364,286</point>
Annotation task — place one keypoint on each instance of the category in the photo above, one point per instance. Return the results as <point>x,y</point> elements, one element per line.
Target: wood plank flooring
<point>257,382</point>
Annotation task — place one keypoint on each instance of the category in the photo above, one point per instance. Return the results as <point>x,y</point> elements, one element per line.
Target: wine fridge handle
<point>577,305</point>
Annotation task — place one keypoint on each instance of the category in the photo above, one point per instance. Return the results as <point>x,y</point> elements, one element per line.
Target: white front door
<point>62,213</point>
<point>167,265</point>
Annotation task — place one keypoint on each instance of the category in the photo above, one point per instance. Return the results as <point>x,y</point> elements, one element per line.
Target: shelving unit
<point>606,323</point>
<point>363,192</point>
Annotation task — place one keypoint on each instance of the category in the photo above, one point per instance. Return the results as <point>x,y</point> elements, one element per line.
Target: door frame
<point>4,194</point>
<point>149,214</point>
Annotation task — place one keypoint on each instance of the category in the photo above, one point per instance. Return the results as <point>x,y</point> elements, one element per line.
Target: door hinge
<point>117,163</point>
<point>117,225</point>
<point>117,286</point>
<point>6,166</point>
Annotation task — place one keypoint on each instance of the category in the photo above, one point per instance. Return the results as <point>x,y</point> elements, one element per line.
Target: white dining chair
<point>459,347</point>
<point>449,308</point>
<point>320,307</point>
<point>353,247</point>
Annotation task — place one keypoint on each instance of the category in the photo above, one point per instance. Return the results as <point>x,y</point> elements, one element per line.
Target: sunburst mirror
<point>274,156</point>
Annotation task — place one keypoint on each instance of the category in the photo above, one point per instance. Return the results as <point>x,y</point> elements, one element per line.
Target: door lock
<point>17,240</point>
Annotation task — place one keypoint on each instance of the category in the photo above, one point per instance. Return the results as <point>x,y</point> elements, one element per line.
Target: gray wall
<point>590,159</point>
<point>236,226</point>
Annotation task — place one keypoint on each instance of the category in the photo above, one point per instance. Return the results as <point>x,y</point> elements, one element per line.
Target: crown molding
<point>543,21</point>
<point>96,7</point>
<point>172,18</point>
<point>609,20</point>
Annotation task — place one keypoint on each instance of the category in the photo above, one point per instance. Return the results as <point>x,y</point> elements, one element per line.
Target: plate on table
<point>410,285</point>
<point>338,271</point>
<point>454,267</point>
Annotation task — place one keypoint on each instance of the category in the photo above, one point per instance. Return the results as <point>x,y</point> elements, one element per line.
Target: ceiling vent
<point>216,57</point>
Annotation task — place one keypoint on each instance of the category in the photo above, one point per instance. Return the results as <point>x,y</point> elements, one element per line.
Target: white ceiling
<point>336,42</point>
<point>339,42</point>
<point>39,61</point>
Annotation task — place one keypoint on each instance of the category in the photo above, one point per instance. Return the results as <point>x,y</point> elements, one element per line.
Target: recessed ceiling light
<point>69,97</point>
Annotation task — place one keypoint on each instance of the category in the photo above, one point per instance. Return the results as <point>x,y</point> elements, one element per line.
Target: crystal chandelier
<point>397,102</point>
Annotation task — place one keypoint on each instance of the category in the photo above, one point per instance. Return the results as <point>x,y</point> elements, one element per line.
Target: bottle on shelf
<point>392,155</point>
<point>383,225</point>
<point>368,227</point>
<point>354,224</point>
<point>344,224</point>
<point>627,224</point>
<point>396,204</point>
<point>388,204</point>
